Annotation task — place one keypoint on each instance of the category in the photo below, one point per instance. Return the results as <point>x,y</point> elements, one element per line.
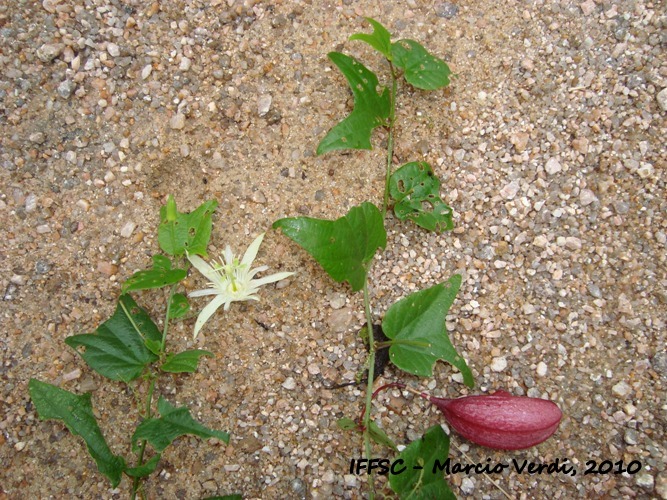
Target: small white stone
<point>177,122</point>
<point>622,389</point>
<point>289,384</point>
<point>528,308</point>
<point>264,104</point>
<point>351,481</point>
<point>313,369</point>
<point>573,243</point>
<point>19,446</point>
<point>541,369</point>
<point>510,190</point>
<point>587,7</point>
<point>662,99</point>
<point>146,72</point>
<point>586,197</point>
<point>43,229</point>
<point>540,241</point>
<point>127,230</point>
<point>73,375</point>
<point>113,49</point>
<point>645,171</point>
<point>185,64</point>
<point>553,166</point>
<point>498,364</point>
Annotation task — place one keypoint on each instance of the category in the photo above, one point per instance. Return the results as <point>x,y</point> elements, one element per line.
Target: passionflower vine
<point>231,280</point>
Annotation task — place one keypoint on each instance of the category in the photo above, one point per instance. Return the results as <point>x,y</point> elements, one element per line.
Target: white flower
<point>231,280</point>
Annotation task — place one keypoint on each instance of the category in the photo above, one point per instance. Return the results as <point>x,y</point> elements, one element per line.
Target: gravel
<point>550,146</point>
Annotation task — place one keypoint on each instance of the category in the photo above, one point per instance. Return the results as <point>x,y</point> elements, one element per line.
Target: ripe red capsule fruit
<point>500,420</point>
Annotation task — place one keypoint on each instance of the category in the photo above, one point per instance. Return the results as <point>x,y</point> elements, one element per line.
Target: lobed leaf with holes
<point>185,232</point>
<point>416,192</point>
<point>421,68</point>
<point>371,108</point>
<point>416,326</point>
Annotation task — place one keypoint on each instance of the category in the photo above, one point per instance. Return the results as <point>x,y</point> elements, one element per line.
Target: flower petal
<point>203,267</point>
<point>252,250</point>
<point>204,292</point>
<point>269,279</point>
<point>207,312</point>
<point>250,274</point>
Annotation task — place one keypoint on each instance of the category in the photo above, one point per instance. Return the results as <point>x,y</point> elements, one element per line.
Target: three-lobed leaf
<point>161,274</point>
<point>172,423</point>
<point>380,39</point>
<point>180,232</point>
<point>421,69</point>
<point>76,412</point>
<point>416,192</point>
<point>343,247</point>
<point>184,362</point>
<point>416,325</point>
<point>118,349</point>
<point>422,480</point>
<point>371,108</point>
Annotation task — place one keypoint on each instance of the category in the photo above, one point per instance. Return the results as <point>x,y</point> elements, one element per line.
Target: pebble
<point>622,389</point>
<point>264,104</point>
<point>510,190</point>
<point>520,140</point>
<point>73,375</point>
<point>258,197</point>
<point>467,486</point>
<point>498,364</point>
<point>146,71</point>
<point>662,99</point>
<point>49,51</point>
<point>127,230</point>
<point>573,243</point>
<point>645,480</point>
<point>553,166</point>
<point>37,138</point>
<point>541,369</point>
<point>340,320</point>
<point>586,197</point>
<point>66,88</point>
<point>661,485</point>
<point>446,10</point>
<point>107,268</point>
<point>113,49</point>
<point>30,203</point>
<point>177,122</point>
<point>587,7</point>
<point>289,384</point>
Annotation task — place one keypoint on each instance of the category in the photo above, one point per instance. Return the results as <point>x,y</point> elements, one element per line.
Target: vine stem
<point>136,483</point>
<point>390,140</point>
<point>369,386</point>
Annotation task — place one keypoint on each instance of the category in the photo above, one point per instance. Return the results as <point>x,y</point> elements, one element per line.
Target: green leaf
<point>371,109</point>
<point>343,247</point>
<point>144,470</point>
<point>347,424</point>
<point>416,324</point>
<point>180,232</point>
<point>380,40</point>
<point>118,349</point>
<point>421,480</point>
<point>154,346</point>
<point>416,191</point>
<point>76,412</point>
<point>380,436</point>
<point>184,362</point>
<point>173,422</point>
<point>179,306</point>
<point>160,275</point>
<point>422,70</point>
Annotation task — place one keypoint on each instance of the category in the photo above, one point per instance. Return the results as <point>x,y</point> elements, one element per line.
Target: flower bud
<point>500,420</point>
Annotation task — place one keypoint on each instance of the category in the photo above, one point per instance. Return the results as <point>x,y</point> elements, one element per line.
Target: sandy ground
<point>550,146</point>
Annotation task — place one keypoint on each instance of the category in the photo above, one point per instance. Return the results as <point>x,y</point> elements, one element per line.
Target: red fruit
<point>500,420</point>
